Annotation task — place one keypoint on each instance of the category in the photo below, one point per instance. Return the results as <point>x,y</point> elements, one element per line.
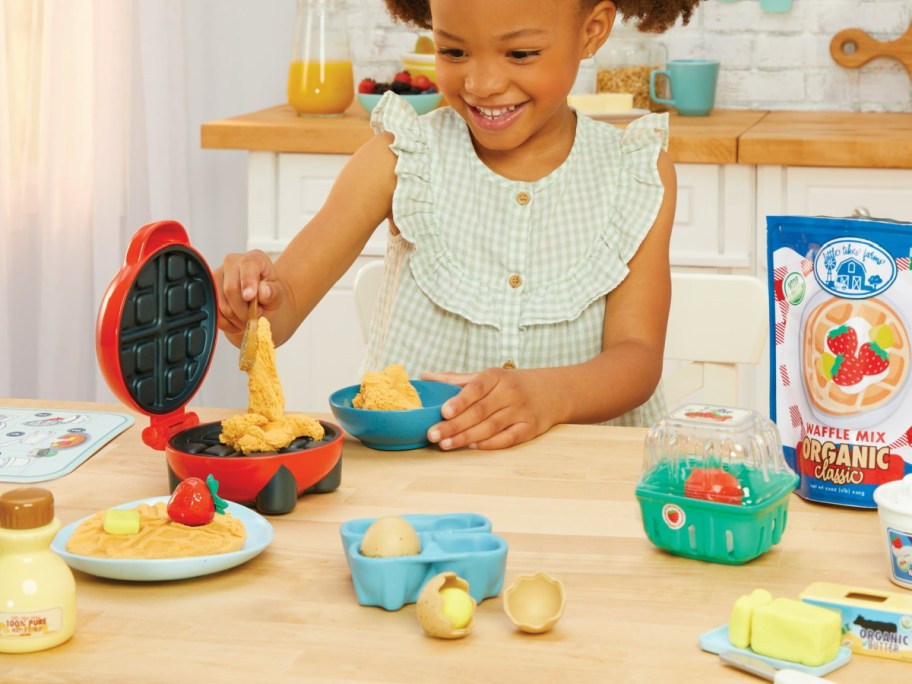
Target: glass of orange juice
<point>320,79</point>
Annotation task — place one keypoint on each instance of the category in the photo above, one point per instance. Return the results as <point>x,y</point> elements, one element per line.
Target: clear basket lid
<point>700,446</point>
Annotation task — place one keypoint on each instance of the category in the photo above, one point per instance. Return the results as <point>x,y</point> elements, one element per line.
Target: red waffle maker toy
<point>155,337</point>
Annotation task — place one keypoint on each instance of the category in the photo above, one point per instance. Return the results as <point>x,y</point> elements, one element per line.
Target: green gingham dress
<point>488,271</point>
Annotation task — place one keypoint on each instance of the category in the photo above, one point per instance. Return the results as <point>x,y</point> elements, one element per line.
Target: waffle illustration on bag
<point>855,356</point>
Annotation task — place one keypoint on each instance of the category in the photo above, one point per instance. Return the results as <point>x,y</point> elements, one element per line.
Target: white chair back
<point>716,323</point>
<point>366,288</point>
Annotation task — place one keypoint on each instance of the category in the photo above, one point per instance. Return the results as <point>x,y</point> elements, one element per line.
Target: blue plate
<point>259,535</point>
<point>717,641</point>
<point>392,430</point>
<point>456,542</point>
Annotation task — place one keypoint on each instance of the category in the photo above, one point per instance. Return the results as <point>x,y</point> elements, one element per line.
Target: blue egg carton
<point>456,542</point>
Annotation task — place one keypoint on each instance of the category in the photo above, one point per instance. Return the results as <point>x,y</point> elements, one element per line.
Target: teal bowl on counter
<point>392,430</point>
<point>420,103</point>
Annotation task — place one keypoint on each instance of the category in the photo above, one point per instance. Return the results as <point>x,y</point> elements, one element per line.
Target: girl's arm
<point>287,291</point>
<point>498,408</point>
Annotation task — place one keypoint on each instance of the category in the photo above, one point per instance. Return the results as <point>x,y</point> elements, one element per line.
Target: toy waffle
<point>715,485</point>
<point>855,356</point>
<point>155,337</point>
<point>457,542</point>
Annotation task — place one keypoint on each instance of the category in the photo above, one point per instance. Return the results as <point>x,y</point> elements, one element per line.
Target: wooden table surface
<point>566,505</point>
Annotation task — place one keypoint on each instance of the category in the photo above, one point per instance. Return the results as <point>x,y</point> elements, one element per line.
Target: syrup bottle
<point>37,589</point>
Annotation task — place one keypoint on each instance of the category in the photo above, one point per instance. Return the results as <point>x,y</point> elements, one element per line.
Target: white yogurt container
<point>894,506</point>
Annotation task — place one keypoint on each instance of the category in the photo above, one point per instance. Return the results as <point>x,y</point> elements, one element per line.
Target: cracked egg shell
<point>429,607</point>
<point>390,536</point>
<point>534,603</point>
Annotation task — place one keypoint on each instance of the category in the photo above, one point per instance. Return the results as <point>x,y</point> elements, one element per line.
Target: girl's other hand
<point>241,278</point>
<point>496,408</point>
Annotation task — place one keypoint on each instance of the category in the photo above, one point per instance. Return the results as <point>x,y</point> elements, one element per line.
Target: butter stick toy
<point>874,623</point>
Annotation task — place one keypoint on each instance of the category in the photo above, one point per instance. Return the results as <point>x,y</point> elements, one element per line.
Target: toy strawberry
<point>195,503</point>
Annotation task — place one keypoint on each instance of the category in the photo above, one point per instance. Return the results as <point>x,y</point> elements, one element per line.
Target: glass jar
<point>624,64</point>
<point>320,79</point>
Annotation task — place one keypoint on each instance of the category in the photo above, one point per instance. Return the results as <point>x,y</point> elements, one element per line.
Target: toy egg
<point>390,536</point>
<point>534,603</point>
<point>439,619</point>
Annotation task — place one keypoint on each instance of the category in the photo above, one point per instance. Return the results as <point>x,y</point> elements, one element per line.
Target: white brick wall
<point>769,61</point>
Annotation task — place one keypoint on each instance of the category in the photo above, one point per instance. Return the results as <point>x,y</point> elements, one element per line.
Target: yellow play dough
<point>739,625</point>
<point>266,426</point>
<point>388,390</point>
<point>796,631</point>
<point>457,606</point>
<point>119,521</point>
<point>159,536</point>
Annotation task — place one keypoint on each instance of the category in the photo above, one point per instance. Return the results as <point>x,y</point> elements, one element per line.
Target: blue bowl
<point>456,542</point>
<point>392,430</point>
<point>421,103</point>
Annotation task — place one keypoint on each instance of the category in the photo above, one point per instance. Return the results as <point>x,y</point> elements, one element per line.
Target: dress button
<point>509,365</point>
<point>515,280</point>
<point>523,198</point>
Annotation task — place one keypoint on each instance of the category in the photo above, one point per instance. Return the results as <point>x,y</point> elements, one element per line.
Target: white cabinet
<point>818,191</point>
<point>714,218</point>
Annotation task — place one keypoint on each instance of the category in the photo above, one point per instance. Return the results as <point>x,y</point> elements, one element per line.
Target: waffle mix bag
<point>841,310</point>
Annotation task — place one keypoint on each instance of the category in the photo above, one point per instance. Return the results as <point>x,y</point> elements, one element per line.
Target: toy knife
<point>761,668</point>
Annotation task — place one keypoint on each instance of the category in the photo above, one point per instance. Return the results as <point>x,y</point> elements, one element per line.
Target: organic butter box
<point>874,623</point>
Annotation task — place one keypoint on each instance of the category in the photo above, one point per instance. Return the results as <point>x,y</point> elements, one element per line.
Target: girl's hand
<point>496,408</point>
<point>239,279</point>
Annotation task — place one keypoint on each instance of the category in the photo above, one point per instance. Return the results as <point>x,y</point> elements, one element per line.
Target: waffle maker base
<point>270,481</point>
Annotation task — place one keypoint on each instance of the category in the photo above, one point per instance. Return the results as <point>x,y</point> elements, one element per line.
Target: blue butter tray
<point>457,542</point>
<point>717,641</point>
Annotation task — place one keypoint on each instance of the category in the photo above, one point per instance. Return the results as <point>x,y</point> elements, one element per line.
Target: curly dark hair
<point>648,15</point>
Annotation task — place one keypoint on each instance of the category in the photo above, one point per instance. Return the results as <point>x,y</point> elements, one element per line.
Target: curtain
<point>93,145</point>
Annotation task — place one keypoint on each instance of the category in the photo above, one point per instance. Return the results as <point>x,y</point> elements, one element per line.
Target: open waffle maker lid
<point>157,327</point>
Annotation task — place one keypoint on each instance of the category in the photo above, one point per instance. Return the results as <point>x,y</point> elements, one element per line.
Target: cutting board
<point>853,48</point>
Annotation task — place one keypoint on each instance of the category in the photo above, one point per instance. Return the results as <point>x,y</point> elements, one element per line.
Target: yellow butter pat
<point>739,625</point>
<point>795,631</point>
<point>601,103</point>
<point>119,521</point>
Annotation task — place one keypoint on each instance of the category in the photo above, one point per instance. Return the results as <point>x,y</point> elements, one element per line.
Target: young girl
<point>528,249</point>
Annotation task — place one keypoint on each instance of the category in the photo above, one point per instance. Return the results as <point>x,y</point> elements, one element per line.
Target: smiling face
<point>507,67</point>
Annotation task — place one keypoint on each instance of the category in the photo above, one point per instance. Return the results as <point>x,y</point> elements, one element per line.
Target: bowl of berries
<point>419,91</point>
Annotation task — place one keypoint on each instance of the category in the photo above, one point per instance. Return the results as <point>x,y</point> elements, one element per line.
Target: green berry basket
<point>715,484</point>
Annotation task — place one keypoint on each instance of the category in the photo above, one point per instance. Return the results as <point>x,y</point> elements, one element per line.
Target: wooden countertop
<point>727,136</point>
<point>875,140</point>
<point>709,140</point>
<point>566,505</point>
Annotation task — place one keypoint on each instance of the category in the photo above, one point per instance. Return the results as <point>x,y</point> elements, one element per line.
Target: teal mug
<point>692,83</point>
